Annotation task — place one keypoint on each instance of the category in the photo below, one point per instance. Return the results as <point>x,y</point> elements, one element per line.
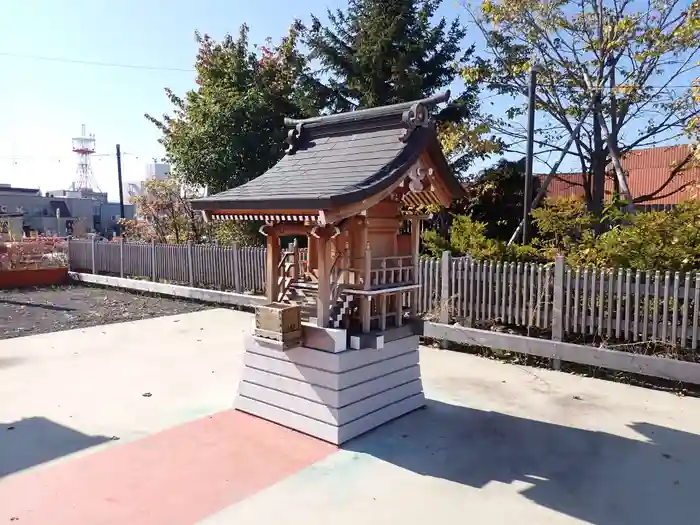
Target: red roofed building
<point>647,171</point>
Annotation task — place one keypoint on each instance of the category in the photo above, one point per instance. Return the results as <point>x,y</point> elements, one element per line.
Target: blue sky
<point>44,103</point>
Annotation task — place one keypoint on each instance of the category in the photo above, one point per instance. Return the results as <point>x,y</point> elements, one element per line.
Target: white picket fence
<point>617,304</point>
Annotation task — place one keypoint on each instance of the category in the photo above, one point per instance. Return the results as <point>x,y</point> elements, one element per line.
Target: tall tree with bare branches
<point>638,57</point>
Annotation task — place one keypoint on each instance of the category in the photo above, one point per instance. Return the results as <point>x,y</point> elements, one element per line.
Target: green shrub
<point>663,240</point>
<point>434,244</point>
<point>469,237</point>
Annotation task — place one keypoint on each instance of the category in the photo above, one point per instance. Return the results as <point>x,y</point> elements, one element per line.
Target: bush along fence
<point>619,306</point>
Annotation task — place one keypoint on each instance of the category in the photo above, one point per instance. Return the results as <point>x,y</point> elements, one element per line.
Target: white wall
<point>158,170</point>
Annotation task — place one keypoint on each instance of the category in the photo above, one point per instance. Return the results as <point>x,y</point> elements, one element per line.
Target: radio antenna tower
<point>84,147</point>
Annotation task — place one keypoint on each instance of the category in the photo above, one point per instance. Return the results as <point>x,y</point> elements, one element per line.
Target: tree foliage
<point>693,127</point>
<point>661,240</point>
<point>496,197</point>
<point>230,129</point>
<point>165,215</point>
<point>638,57</point>
<point>380,52</point>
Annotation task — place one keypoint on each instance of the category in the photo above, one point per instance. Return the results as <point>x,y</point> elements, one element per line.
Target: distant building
<point>55,212</point>
<point>157,171</point>
<point>79,194</point>
<point>11,226</point>
<point>648,170</point>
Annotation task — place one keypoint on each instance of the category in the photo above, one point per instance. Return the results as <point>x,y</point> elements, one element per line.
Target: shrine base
<point>336,393</point>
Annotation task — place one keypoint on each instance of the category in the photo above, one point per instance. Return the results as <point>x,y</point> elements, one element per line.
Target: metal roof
<point>647,170</point>
<point>341,159</point>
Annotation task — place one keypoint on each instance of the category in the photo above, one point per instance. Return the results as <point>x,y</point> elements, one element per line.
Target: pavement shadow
<point>7,362</point>
<point>597,477</point>
<point>36,440</point>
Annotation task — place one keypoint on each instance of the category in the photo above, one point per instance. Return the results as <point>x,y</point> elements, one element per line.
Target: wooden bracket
<point>264,229</point>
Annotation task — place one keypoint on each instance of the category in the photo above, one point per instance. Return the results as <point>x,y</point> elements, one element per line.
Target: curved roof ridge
<point>362,115</point>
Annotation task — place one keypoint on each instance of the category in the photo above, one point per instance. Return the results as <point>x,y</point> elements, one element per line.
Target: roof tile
<point>338,159</point>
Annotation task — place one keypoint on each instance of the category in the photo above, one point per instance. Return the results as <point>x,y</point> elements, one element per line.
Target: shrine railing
<point>387,272</point>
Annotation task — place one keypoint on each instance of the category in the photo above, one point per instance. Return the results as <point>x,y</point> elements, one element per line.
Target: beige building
<point>11,226</point>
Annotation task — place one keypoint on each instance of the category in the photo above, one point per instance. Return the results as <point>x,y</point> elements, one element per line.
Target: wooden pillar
<point>347,259</point>
<point>398,298</point>
<point>415,247</point>
<point>323,301</point>
<point>366,301</point>
<point>273,260</point>
<point>296,266</point>
<point>312,253</point>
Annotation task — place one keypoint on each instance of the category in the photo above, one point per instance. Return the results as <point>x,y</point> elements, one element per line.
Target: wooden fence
<point>239,269</point>
<point>617,304</point>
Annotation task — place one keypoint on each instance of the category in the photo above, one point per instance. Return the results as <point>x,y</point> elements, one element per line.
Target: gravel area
<point>42,310</point>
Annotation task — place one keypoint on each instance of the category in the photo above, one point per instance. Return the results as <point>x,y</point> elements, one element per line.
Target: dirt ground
<point>52,309</point>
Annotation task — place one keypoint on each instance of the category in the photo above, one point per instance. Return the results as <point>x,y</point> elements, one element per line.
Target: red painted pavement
<point>176,477</point>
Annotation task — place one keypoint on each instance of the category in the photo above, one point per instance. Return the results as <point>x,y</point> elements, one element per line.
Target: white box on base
<point>335,393</point>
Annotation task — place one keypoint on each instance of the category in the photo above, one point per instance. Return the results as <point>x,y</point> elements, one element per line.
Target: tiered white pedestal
<point>332,392</point>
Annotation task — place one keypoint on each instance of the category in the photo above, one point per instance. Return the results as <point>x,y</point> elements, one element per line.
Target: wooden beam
<point>359,207</point>
<point>436,180</point>
<point>419,217</point>
<point>366,301</point>
<point>323,300</point>
<point>228,211</point>
<point>283,229</point>
<point>399,308</point>
<point>415,246</point>
<point>273,257</point>
<point>648,365</point>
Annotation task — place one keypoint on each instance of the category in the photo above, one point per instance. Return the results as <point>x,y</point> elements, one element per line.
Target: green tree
<point>638,57</point>
<point>165,215</point>
<point>230,129</point>
<point>380,52</point>
<point>495,197</point>
<point>693,127</point>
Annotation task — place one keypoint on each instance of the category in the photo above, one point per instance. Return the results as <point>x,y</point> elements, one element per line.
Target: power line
<point>93,63</point>
<point>69,156</point>
<point>191,70</point>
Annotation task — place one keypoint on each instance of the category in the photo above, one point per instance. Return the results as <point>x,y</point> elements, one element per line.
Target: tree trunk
<point>598,161</point>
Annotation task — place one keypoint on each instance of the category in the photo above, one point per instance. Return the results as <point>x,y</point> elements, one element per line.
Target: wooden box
<point>279,321</point>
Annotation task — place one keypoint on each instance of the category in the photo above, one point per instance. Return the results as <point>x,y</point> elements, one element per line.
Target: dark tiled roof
<point>339,159</point>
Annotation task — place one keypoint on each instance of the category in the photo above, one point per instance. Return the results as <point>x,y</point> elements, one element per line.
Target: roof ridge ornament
<point>416,178</point>
<point>358,116</point>
<point>414,117</point>
<point>293,137</point>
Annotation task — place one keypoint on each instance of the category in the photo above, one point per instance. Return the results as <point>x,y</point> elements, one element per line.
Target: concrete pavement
<point>497,443</point>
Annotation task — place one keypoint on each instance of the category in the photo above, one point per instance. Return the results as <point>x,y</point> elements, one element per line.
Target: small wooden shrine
<point>345,183</point>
